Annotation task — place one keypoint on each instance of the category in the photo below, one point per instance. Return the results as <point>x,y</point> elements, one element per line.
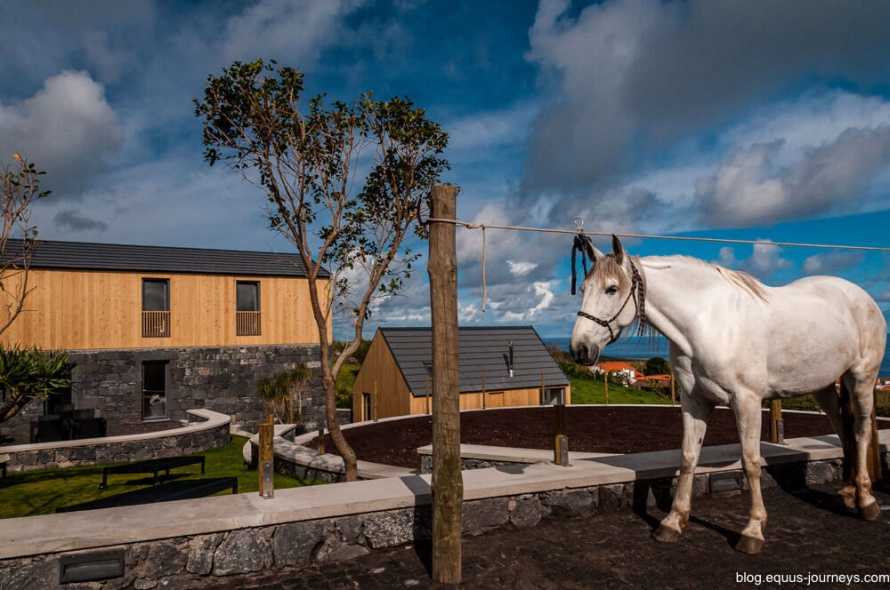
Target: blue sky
<point>750,120</point>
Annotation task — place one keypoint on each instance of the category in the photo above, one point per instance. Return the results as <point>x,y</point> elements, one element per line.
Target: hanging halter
<point>638,286</point>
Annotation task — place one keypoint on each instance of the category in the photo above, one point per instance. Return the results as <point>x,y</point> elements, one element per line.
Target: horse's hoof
<point>666,534</point>
<point>749,545</point>
<point>871,512</point>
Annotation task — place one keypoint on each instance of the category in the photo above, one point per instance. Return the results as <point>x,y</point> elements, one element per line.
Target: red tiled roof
<point>614,367</point>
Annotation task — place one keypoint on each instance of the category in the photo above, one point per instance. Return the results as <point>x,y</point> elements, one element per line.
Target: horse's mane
<point>736,278</point>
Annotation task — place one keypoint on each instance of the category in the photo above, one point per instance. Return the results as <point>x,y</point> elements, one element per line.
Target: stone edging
<point>206,429</point>
<point>194,542</point>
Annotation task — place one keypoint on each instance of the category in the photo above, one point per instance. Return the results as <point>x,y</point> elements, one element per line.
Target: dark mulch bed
<point>590,429</point>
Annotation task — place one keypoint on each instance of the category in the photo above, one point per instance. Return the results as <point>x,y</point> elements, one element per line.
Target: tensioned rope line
<point>485,226</point>
<point>580,231</point>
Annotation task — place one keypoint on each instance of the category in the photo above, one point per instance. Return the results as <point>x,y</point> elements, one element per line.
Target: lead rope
<point>580,243</point>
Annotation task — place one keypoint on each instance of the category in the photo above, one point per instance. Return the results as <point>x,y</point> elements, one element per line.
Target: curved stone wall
<point>206,430</point>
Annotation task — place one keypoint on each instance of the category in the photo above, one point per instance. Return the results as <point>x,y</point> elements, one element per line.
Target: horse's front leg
<point>695,421</point>
<point>749,419</point>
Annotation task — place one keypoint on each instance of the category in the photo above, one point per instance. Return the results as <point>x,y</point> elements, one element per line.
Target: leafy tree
<point>306,161</point>
<point>27,374</point>
<point>19,189</point>
<point>657,366</point>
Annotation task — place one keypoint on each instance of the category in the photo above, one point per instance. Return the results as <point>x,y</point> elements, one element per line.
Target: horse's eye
<point>611,289</point>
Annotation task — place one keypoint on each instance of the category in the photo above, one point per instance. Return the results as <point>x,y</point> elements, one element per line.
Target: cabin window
<point>154,389</point>
<point>155,308</point>
<point>247,308</point>
<point>554,396</point>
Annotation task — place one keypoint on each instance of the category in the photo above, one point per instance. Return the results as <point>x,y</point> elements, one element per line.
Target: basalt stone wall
<point>173,443</point>
<point>222,379</point>
<point>189,561</point>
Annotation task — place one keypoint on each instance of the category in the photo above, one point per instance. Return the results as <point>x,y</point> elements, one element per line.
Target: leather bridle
<point>637,287</point>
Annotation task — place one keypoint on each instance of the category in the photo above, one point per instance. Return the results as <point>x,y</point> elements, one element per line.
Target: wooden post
<point>673,390</point>
<point>483,391</point>
<point>541,401</point>
<point>606,373</point>
<point>266,458</point>
<point>427,395</point>
<point>560,440</point>
<point>320,448</point>
<point>776,424</point>
<point>447,480</point>
<point>375,401</point>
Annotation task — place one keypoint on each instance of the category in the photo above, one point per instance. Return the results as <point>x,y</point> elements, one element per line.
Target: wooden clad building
<point>157,330</point>
<point>499,367</point>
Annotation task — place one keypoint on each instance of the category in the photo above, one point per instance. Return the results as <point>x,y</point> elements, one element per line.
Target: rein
<point>638,286</point>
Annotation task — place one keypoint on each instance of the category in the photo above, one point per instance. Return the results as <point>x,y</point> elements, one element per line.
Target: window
<point>554,396</point>
<point>155,308</point>
<point>247,308</point>
<point>154,390</point>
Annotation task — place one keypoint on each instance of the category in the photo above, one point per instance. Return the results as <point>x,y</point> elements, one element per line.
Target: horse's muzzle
<point>584,354</point>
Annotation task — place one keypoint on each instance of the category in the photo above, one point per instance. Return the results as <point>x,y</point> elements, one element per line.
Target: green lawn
<point>591,391</point>
<point>40,492</point>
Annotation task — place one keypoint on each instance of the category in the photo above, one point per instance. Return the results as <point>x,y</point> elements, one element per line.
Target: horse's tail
<point>873,455</point>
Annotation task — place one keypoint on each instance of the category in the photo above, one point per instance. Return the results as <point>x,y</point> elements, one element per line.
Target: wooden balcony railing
<point>155,324</point>
<point>247,323</point>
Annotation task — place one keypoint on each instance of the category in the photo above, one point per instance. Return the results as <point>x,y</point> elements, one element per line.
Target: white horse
<point>735,341</point>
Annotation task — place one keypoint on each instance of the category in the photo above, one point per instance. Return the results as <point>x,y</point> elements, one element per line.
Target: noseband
<point>637,286</point>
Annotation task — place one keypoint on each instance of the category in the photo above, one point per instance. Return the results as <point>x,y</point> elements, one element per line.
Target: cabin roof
<point>160,259</point>
<point>483,351</point>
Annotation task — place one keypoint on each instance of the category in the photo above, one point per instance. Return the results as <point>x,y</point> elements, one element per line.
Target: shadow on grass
<point>166,492</point>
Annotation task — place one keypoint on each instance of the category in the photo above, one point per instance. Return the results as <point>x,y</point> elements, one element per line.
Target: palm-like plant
<point>29,373</point>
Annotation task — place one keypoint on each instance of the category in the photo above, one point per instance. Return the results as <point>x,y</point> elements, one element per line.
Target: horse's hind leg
<point>748,416</point>
<point>831,403</point>
<point>695,421</point>
<point>862,393</point>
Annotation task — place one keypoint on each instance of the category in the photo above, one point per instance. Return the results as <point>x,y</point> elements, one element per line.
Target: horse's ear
<point>617,250</point>
<point>592,252</point>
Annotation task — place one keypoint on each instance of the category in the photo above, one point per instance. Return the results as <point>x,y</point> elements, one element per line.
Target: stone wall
<point>185,562</point>
<point>169,443</point>
<point>219,379</point>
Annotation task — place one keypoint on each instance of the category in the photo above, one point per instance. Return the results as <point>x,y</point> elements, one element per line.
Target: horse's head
<point>605,302</point>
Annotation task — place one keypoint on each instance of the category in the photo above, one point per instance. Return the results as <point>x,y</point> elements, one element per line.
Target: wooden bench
<point>153,466</point>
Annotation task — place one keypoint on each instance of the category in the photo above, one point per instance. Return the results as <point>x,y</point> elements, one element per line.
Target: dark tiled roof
<point>483,351</point>
<point>161,259</point>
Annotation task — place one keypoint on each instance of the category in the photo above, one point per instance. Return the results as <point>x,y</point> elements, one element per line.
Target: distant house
<point>622,369</point>
<point>657,381</point>
<point>499,367</point>
<point>156,331</point>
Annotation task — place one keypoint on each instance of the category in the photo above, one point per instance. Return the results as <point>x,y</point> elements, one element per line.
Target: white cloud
<point>297,29</point>
<point>727,257</point>
<point>637,82</point>
<point>544,296</point>
<point>749,189</point>
<point>832,263</point>
<point>67,129</point>
<point>520,269</point>
<point>765,261</point>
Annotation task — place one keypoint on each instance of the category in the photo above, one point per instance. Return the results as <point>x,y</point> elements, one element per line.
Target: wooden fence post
<point>266,459</point>
<point>606,383</point>
<point>447,480</point>
<point>776,424</point>
<point>673,390</point>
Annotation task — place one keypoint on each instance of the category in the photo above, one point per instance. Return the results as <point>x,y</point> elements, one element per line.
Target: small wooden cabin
<point>499,367</point>
<point>156,331</point>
